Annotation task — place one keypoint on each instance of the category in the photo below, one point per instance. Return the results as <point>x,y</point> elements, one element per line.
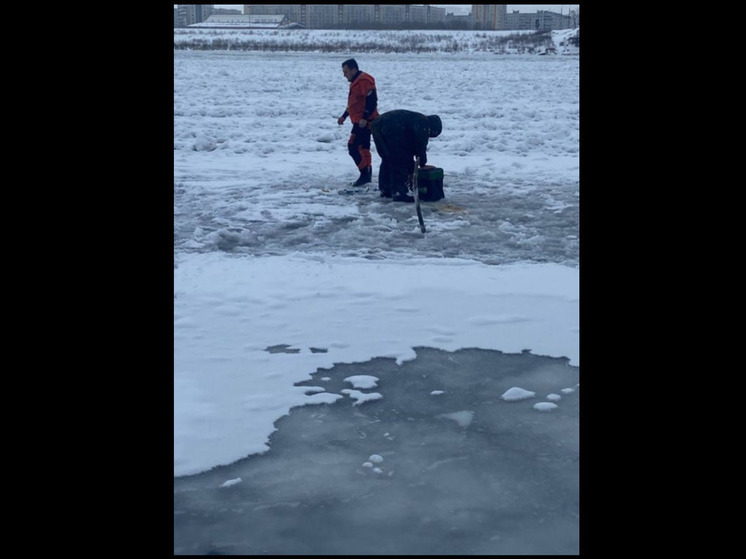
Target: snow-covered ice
<point>266,185</point>
<point>228,309</point>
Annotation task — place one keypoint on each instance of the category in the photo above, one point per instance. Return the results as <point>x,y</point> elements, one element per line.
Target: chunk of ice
<point>514,394</point>
<point>545,406</point>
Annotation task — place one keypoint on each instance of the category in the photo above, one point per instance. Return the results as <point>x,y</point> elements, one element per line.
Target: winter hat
<point>436,126</point>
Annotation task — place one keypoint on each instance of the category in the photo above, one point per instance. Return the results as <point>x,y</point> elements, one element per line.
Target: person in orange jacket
<point>362,108</point>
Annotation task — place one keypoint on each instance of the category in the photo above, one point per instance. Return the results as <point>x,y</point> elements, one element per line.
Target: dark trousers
<point>395,169</point>
<point>359,147</point>
<point>394,175</point>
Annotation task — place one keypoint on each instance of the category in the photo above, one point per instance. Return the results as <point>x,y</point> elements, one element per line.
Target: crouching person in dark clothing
<point>399,136</point>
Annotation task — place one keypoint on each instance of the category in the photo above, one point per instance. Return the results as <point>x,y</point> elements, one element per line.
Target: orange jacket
<point>361,88</point>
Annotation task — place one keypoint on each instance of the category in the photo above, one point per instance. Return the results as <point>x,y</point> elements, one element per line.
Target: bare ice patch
<point>463,418</point>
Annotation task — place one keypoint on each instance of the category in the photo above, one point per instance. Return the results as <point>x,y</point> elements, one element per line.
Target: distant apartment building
<point>188,14</point>
<point>358,14</point>
<point>496,16</point>
<point>490,16</point>
<point>542,20</point>
<point>383,16</point>
<point>454,21</point>
<point>319,16</point>
<point>242,21</point>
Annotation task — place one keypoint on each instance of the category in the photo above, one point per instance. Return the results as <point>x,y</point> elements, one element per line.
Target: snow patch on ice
<point>322,398</point>
<point>516,393</point>
<point>361,397</point>
<point>363,382</point>
<point>544,406</point>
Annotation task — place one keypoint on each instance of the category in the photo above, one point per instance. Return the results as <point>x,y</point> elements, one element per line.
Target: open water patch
<point>439,461</point>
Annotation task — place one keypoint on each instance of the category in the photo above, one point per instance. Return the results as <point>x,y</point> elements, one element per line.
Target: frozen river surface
<point>288,293</point>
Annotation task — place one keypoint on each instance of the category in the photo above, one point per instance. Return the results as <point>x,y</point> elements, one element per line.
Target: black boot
<point>399,197</point>
<point>366,176</point>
